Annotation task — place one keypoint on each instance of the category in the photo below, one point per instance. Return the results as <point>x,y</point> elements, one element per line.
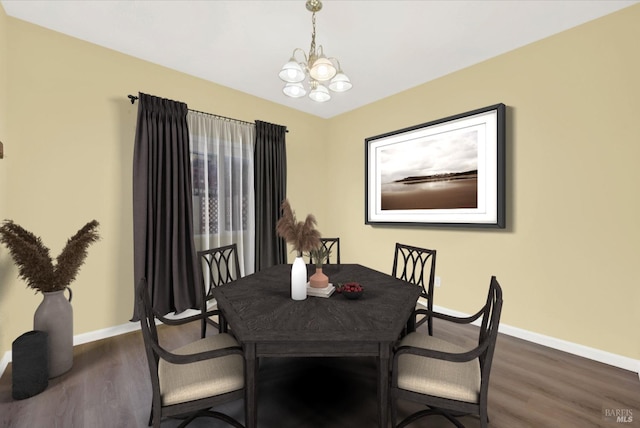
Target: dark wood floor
<point>531,386</point>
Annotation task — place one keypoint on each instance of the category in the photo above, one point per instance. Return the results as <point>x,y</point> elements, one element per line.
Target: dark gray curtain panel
<point>270,176</point>
<point>164,252</point>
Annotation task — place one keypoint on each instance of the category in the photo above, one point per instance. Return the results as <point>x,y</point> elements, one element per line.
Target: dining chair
<point>188,381</point>
<point>449,379</point>
<point>332,245</point>
<point>220,266</point>
<point>417,266</point>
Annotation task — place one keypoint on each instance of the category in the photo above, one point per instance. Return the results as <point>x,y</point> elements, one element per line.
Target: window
<point>223,188</point>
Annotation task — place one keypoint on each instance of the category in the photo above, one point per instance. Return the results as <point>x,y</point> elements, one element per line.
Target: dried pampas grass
<point>302,235</point>
<point>36,266</point>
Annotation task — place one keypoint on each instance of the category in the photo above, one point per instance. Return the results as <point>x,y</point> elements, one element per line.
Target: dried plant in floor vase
<point>304,237</point>
<point>55,313</point>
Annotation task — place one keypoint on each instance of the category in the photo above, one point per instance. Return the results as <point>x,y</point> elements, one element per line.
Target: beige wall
<point>568,260</point>
<point>569,249</point>
<point>5,262</point>
<point>72,131</point>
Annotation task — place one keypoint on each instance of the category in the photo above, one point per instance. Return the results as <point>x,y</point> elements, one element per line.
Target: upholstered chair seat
<point>446,379</point>
<point>187,382</point>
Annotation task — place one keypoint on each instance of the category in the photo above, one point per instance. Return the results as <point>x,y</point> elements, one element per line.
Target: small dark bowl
<point>352,295</point>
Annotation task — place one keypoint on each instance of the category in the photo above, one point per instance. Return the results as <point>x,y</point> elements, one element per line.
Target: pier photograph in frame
<point>449,171</point>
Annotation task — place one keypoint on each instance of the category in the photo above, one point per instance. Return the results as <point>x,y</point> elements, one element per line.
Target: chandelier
<point>321,73</point>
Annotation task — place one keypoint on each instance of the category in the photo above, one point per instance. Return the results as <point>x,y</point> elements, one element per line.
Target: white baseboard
<point>605,357</point>
<point>105,333</point>
<point>6,359</point>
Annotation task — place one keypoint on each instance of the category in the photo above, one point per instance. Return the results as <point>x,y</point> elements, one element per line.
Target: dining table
<point>267,322</point>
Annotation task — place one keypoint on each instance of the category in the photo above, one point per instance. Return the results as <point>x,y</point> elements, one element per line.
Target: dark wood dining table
<point>268,323</point>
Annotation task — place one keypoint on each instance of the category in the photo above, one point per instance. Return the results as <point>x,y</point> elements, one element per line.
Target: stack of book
<point>320,292</point>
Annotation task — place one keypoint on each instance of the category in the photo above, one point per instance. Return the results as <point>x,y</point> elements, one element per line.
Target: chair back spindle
<point>418,266</point>
<point>332,245</point>
<point>219,266</point>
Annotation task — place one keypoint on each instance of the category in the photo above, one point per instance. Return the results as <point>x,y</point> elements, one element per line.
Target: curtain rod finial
<point>133,98</point>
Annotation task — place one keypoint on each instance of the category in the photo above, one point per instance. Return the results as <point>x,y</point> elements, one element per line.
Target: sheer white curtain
<point>222,153</point>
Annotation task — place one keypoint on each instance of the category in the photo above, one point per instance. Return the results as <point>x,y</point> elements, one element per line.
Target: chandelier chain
<point>312,50</point>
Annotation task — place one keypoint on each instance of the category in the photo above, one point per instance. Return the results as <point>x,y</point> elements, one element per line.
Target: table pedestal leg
<point>383,384</point>
<point>251,387</point>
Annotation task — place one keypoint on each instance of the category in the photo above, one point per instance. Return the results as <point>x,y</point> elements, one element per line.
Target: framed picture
<point>448,172</point>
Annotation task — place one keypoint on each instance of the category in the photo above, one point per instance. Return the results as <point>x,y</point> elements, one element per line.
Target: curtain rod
<point>133,99</point>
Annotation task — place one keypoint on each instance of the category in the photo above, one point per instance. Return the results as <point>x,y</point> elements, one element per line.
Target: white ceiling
<point>384,47</point>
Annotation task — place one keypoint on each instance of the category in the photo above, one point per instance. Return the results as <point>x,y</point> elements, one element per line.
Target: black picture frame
<point>447,172</point>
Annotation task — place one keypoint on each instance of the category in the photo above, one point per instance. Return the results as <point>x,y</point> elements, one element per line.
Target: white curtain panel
<point>222,158</point>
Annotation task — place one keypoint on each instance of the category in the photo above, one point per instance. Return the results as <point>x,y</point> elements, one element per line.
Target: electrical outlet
<point>437,281</point>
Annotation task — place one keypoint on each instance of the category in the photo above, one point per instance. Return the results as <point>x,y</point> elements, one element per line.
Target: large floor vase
<point>55,316</point>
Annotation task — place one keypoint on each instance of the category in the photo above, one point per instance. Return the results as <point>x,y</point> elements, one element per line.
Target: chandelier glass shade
<point>321,75</point>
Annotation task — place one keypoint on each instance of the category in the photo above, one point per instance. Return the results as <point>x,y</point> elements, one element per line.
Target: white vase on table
<point>299,279</point>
